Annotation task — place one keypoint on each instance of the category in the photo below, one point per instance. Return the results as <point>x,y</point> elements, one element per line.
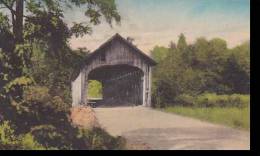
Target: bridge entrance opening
<point>122,85</point>
<point>95,92</point>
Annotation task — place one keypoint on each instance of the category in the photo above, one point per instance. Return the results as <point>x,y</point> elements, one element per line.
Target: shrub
<point>40,108</point>
<point>214,100</point>
<point>28,142</point>
<point>10,141</point>
<point>47,119</point>
<point>185,100</point>
<point>99,139</point>
<point>50,137</point>
<point>230,116</point>
<point>206,100</point>
<point>239,100</point>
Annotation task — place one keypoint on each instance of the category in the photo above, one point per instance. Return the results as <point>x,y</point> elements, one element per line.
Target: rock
<point>84,117</point>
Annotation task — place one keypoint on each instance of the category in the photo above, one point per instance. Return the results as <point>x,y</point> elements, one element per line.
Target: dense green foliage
<point>202,67</point>
<point>232,116</point>
<point>159,53</point>
<point>9,140</point>
<point>94,89</point>
<point>206,80</point>
<point>213,100</point>
<point>36,68</point>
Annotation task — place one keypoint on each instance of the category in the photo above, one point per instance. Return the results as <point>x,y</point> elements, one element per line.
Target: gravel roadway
<point>165,131</point>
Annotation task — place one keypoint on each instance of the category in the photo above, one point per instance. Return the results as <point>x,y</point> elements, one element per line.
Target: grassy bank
<point>233,117</point>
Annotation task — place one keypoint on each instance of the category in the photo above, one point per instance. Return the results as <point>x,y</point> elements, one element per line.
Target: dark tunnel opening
<point>122,85</point>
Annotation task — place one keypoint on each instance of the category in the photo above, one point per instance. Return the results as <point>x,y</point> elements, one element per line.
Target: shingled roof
<point>119,37</point>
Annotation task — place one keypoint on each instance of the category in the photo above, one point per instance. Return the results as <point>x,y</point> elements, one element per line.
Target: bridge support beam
<point>149,98</point>
<point>147,87</point>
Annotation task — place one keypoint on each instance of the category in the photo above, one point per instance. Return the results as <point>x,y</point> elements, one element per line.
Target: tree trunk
<point>18,27</point>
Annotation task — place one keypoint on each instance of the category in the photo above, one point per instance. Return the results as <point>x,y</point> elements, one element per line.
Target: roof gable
<point>99,50</point>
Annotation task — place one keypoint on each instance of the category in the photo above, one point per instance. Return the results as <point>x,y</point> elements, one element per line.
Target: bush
<point>98,139</point>
<point>50,137</point>
<point>47,120</point>
<point>10,141</point>
<point>230,116</point>
<point>185,100</point>
<point>239,100</point>
<point>213,100</point>
<point>40,108</point>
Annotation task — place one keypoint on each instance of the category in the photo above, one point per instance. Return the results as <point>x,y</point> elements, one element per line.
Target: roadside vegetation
<point>36,68</point>
<point>232,117</point>
<point>230,110</point>
<point>205,80</point>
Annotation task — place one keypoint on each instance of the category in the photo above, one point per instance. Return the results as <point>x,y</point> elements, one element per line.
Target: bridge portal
<point>123,70</point>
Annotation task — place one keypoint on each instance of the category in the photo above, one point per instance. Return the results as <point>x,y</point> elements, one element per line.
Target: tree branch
<point>8,7</point>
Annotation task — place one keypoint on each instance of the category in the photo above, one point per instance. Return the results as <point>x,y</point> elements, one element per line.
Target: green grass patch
<point>94,89</point>
<point>233,117</point>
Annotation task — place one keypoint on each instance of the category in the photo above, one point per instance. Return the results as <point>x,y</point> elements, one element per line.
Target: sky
<point>157,22</point>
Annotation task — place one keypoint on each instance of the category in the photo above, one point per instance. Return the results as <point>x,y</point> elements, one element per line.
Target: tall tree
<point>182,44</point>
<point>42,22</point>
<point>34,38</point>
<point>25,23</point>
<point>159,53</point>
<point>236,72</point>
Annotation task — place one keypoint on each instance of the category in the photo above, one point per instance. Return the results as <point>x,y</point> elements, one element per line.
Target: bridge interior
<point>121,85</point>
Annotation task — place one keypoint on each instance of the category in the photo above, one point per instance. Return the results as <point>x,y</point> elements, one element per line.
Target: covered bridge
<point>123,70</point>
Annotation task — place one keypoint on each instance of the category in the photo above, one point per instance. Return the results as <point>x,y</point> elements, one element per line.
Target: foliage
<point>230,116</point>
<point>10,141</point>
<point>204,66</point>
<point>37,65</point>
<point>185,100</point>
<point>48,71</point>
<point>159,53</point>
<point>55,130</point>
<point>182,44</point>
<point>213,100</point>
<point>41,25</point>
<point>94,89</point>
<point>98,139</point>
<point>236,73</point>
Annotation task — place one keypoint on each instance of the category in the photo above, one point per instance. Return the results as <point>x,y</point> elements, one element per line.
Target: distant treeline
<point>206,66</point>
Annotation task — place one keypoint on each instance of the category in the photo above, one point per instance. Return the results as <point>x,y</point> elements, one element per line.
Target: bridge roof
<point>149,60</point>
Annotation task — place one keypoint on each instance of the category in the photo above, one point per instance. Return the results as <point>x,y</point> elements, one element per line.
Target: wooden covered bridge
<point>123,70</point>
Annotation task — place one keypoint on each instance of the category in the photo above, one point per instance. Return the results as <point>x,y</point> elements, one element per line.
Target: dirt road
<point>160,130</point>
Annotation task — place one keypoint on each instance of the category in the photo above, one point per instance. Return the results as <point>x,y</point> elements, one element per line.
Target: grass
<point>233,117</point>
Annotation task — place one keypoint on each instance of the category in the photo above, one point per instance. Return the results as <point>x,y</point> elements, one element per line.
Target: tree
<point>205,66</point>
<point>172,45</point>
<point>159,53</point>
<point>182,44</point>
<point>34,49</point>
<point>236,72</point>
<point>95,9</point>
<point>41,22</point>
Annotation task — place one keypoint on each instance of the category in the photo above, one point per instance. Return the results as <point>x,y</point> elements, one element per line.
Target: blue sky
<point>157,22</point>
